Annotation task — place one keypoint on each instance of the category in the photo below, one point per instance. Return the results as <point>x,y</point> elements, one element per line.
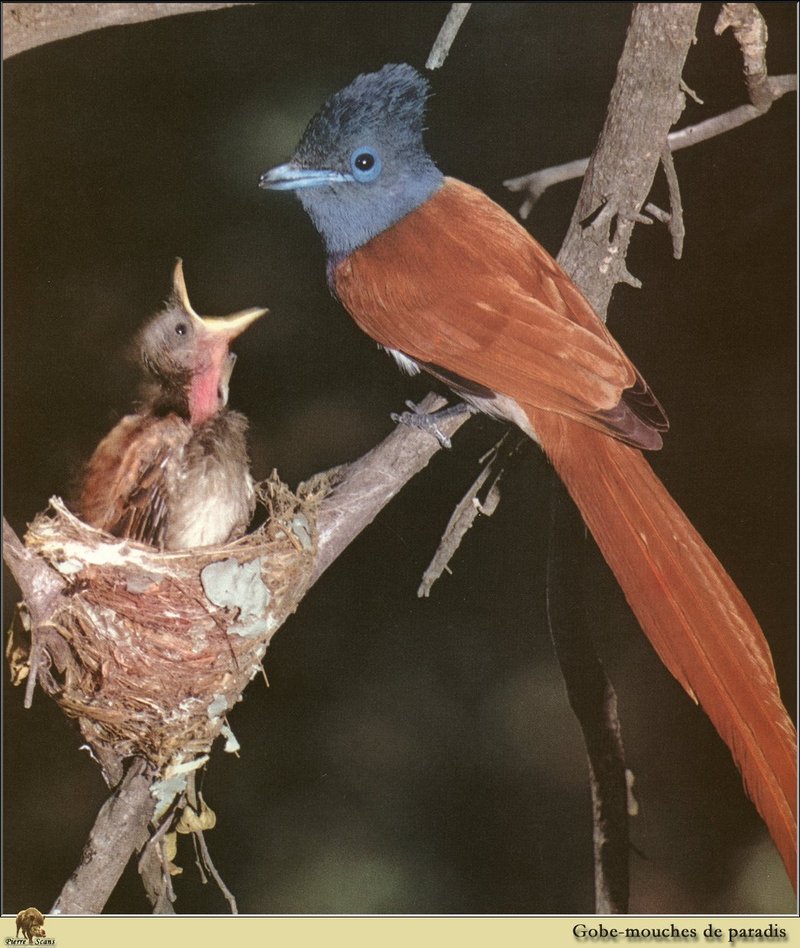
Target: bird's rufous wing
<point>124,489</point>
<point>488,303</point>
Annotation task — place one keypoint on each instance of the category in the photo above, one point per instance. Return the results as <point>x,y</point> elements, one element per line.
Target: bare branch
<point>719,124</point>
<point>675,221</point>
<point>463,518</point>
<point>119,830</point>
<point>26,25</point>
<point>537,182</point>
<point>209,864</point>
<point>593,701</point>
<point>41,587</point>
<point>447,34</point>
<point>750,31</point>
<point>154,873</point>
<point>368,484</point>
<point>618,179</point>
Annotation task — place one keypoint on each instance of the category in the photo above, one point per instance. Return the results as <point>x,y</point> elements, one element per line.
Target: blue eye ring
<point>365,163</point>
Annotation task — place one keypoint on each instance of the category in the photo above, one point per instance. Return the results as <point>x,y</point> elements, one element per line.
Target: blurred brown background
<point>410,756</point>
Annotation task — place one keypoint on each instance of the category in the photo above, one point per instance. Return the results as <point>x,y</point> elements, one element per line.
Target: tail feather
<point>696,619</point>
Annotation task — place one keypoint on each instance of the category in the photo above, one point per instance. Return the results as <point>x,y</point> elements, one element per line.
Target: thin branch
<point>41,586</point>
<point>42,589</point>
<point>154,873</point>
<point>368,484</point>
<point>727,121</point>
<point>209,864</point>
<point>464,517</point>
<point>592,699</point>
<point>26,25</point>
<point>656,213</point>
<point>675,223</point>
<point>447,34</point>
<point>750,31</point>
<point>535,183</point>
<point>119,830</point>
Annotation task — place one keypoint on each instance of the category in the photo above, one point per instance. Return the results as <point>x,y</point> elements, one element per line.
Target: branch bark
<point>119,830</point>
<point>370,483</point>
<point>537,182</point>
<point>645,102</point>
<point>750,31</point>
<point>447,35</point>
<point>26,25</point>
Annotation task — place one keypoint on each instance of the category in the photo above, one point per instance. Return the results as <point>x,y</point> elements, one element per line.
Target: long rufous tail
<point>695,617</point>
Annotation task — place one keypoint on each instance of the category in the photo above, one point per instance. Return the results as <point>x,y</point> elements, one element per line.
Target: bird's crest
<point>389,103</point>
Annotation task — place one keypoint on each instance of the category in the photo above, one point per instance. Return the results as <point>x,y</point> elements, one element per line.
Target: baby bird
<point>176,474</point>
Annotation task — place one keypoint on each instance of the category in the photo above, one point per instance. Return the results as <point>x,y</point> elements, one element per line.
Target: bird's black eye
<point>365,164</point>
<point>181,329</point>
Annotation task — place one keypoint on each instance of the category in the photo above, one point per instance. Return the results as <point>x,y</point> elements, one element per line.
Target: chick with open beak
<point>176,474</point>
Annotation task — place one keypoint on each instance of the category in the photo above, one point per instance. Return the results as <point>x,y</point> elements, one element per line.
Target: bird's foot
<point>429,421</point>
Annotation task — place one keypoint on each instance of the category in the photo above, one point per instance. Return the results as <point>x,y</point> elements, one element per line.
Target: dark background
<point>410,756</point>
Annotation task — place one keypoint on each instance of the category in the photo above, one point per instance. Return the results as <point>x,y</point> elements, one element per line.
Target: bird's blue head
<point>361,165</point>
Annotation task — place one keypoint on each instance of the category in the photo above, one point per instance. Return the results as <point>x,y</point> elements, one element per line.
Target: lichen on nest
<point>150,649</point>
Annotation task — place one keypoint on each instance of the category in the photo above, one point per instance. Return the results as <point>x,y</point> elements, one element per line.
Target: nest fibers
<point>151,649</point>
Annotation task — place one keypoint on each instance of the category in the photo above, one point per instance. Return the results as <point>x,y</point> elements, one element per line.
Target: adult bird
<point>445,280</point>
<point>176,474</point>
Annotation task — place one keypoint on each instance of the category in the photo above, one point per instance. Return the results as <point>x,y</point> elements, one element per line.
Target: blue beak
<point>291,177</point>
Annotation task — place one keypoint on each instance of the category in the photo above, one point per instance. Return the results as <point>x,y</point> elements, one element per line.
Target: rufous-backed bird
<point>445,280</point>
<point>176,474</point>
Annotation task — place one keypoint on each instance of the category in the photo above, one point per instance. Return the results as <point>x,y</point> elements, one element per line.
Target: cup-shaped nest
<point>149,650</point>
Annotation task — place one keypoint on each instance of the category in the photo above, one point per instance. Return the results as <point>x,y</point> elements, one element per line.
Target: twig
<point>675,222</point>
<point>750,31</point>
<point>209,864</point>
<point>656,213</point>
<point>537,182</point>
<point>41,587</point>
<point>119,830</point>
<point>443,42</point>
<point>592,699</point>
<point>464,517</point>
<point>371,482</point>
<point>198,860</point>
<point>727,121</point>
<point>154,873</point>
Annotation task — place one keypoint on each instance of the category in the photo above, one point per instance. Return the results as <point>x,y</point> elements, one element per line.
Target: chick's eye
<point>365,164</point>
<point>181,329</point>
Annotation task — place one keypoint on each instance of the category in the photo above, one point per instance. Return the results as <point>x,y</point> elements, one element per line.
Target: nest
<point>150,649</point>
